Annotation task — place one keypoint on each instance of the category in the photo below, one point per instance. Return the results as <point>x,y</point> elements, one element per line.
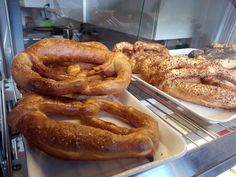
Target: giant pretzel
<point>200,81</point>
<point>139,52</point>
<point>95,139</point>
<point>91,69</point>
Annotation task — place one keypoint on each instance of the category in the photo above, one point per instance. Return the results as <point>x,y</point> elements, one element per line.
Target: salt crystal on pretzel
<point>111,73</point>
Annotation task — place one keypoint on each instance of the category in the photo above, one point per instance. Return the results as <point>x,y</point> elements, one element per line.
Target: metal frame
<point>6,161</point>
<point>202,139</point>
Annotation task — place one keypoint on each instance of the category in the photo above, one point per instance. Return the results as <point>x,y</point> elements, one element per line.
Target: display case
<point>196,142</point>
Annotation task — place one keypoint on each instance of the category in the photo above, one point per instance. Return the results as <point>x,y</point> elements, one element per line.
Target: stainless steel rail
<point>211,147</point>
<point>7,161</point>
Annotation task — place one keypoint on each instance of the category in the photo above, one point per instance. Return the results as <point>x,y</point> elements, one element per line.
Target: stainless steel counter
<point>211,148</point>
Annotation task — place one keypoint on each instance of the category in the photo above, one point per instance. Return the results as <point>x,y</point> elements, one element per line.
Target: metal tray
<point>172,146</point>
<point>214,141</point>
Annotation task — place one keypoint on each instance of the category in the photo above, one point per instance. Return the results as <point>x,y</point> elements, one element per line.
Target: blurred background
<point>177,24</point>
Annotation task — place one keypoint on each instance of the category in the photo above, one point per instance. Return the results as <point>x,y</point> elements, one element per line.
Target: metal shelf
<point>211,147</point>
<point>195,131</point>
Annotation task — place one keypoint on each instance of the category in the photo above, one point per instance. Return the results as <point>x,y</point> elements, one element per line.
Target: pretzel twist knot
<point>59,67</point>
<point>95,139</point>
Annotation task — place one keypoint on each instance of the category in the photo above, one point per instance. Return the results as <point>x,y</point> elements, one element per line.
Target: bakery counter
<point>211,148</point>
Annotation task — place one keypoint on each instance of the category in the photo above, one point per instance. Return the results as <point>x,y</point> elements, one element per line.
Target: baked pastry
<point>60,66</point>
<point>200,81</point>
<point>225,54</point>
<point>95,139</point>
<point>139,52</point>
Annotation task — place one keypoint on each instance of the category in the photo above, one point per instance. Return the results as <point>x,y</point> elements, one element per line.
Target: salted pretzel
<point>140,51</point>
<point>200,81</point>
<point>223,53</point>
<point>94,139</point>
<point>61,66</point>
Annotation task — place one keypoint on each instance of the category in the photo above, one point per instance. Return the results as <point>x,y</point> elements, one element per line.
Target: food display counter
<point>192,139</point>
<point>210,148</point>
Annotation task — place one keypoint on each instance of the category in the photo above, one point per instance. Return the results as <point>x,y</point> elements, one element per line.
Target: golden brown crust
<point>149,67</point>
<point>184,77</point>
<point>33,69</point>
<point>141,51</point>
<point>199,81</point>
<point>222,46</point>
<point>95,139</point>
<point>224,53</point>
<point>203,94</point>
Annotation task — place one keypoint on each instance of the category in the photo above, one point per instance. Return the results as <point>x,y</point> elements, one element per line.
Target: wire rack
<point>195,132</point>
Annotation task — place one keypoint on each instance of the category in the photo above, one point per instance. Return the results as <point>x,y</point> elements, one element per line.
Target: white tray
<point>171,146</point>
<point>177,52</point>
<point>210,115</point>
